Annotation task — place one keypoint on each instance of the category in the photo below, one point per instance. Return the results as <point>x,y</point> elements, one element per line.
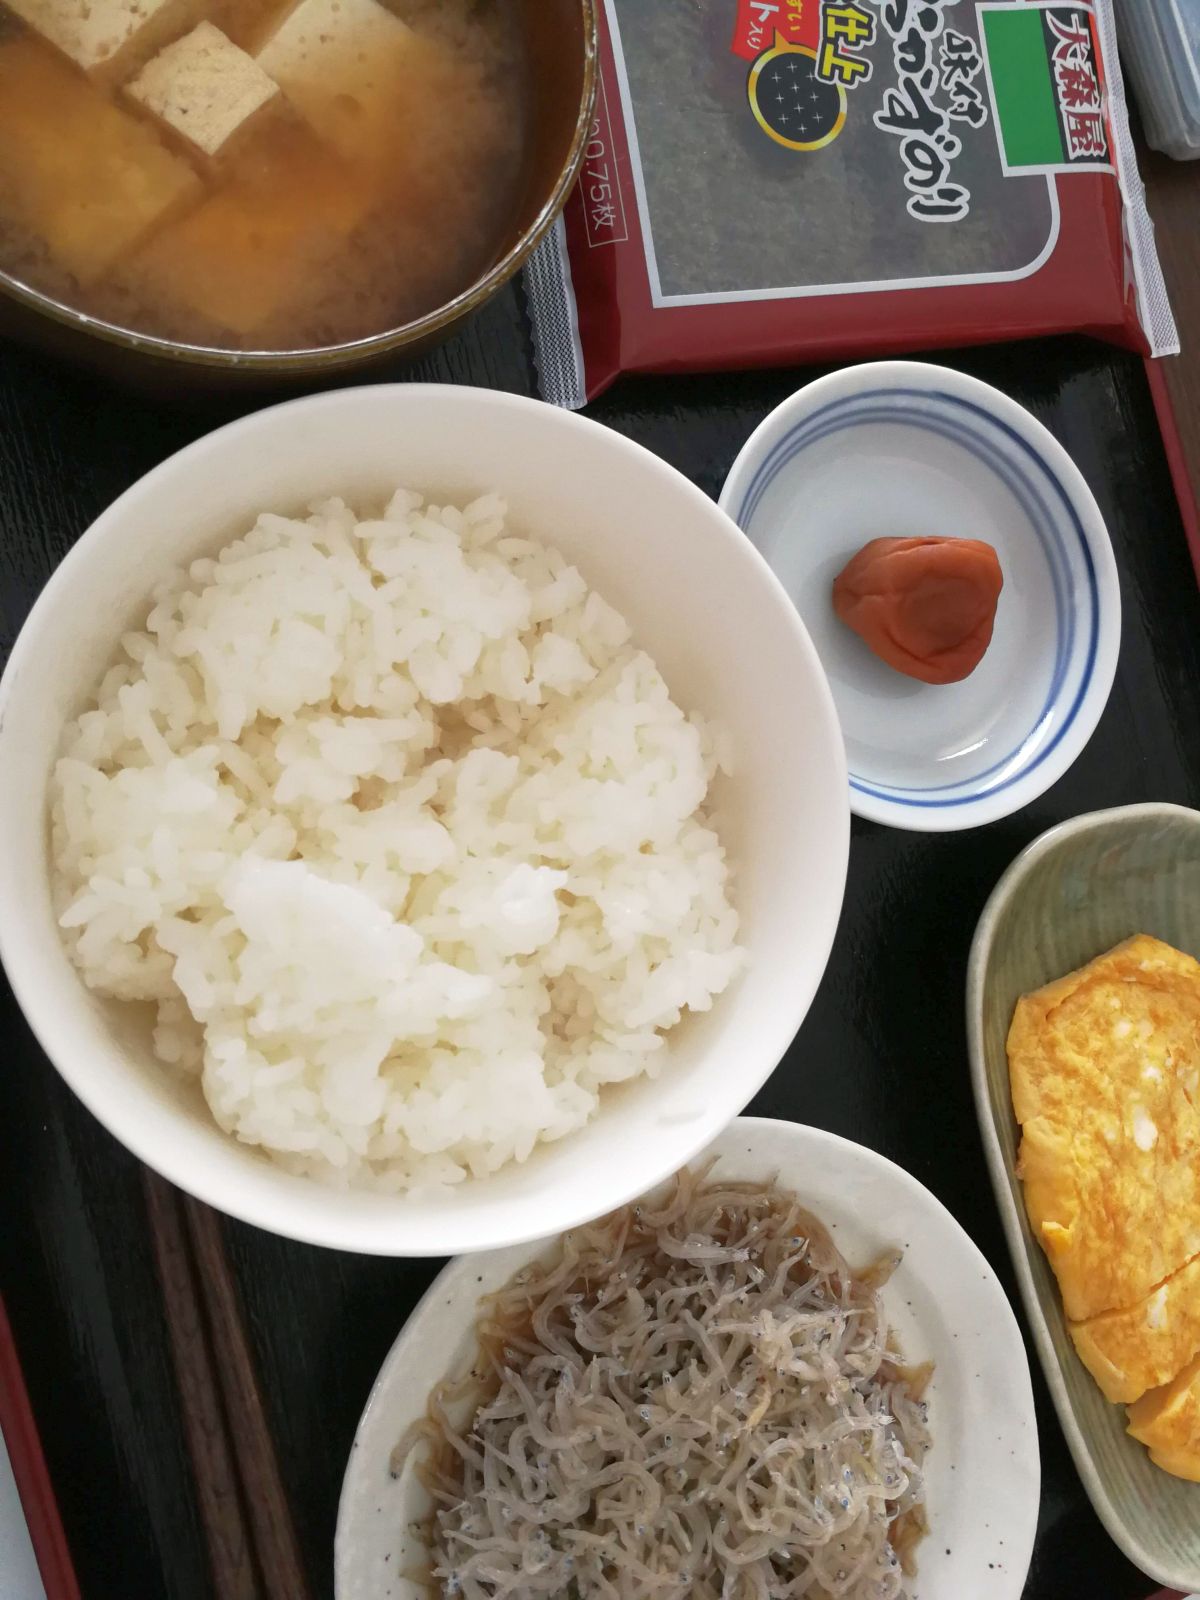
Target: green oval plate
<point>1077,891</point>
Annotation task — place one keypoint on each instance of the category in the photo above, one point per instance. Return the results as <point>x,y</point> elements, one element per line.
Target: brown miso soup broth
<point>259,174</point>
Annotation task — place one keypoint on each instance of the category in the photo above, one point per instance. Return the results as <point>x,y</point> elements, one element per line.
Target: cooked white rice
<point>401,836</point>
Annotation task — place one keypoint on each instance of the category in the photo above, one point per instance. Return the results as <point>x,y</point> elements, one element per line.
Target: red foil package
<point>774,181</point>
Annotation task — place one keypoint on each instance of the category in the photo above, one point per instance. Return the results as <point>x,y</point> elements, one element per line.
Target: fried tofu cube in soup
<point>343,65</point>
<point>207,91</point>
<point>247,253</point>
<point>91,181</point>
<point>108,39</point>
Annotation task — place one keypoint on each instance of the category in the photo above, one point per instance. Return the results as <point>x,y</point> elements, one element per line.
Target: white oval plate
<point>906,448</point>
<point>944,1302</point>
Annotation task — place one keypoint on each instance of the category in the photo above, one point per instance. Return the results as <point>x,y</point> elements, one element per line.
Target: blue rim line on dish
<point>817,427</point>
<point>880,405</point>
<point>1025,492</point>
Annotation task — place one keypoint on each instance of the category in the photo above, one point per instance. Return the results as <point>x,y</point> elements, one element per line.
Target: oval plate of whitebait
<point>787,1373</point>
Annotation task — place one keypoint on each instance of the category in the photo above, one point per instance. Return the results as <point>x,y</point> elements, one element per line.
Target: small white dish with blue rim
<point>906,449</point>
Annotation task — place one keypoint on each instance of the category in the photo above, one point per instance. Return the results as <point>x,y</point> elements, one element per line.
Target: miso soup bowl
<point>729,643</point>
<point>561,40</point>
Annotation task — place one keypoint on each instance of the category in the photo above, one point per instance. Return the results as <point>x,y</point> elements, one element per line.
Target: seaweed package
<point>771,181</point>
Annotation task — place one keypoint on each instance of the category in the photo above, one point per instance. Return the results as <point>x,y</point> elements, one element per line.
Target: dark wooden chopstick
<point>269,1512</point>
<point>230,1546</point>
<point>243,1505</point>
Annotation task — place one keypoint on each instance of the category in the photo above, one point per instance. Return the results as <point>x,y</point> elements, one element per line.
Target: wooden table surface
<point>197,1382</point>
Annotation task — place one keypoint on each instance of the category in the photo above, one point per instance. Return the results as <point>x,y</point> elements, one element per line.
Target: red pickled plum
<point>925,606</point>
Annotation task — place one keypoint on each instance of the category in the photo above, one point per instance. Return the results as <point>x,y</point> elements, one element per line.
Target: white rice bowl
<point>402,838</point>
